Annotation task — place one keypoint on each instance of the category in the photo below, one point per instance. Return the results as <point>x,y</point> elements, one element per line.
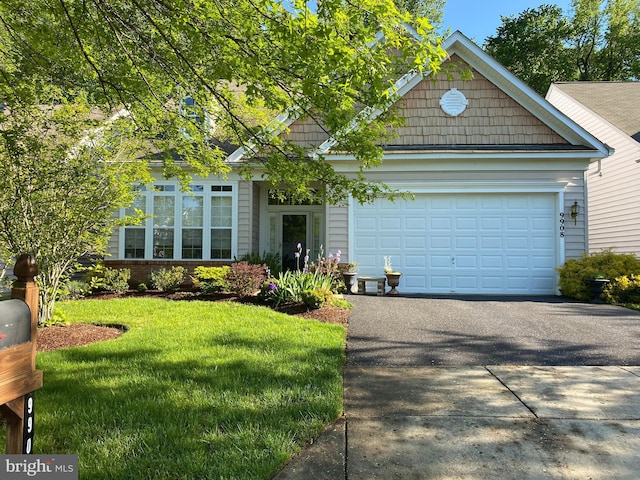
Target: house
<point>493,167</point>
<point>609,111</point>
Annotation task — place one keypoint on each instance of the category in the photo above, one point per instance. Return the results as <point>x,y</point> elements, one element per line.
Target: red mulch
<point>58,336</point>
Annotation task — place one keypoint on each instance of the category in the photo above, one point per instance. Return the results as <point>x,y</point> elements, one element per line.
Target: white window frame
<point>177,193</point>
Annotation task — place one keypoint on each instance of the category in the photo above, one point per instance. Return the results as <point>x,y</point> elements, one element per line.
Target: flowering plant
<point>387,265</point>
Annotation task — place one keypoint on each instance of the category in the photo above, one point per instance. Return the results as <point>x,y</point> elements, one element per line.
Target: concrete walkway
<point>417,407</point>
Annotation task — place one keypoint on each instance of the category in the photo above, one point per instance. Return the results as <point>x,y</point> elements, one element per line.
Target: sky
<point>479,19</point>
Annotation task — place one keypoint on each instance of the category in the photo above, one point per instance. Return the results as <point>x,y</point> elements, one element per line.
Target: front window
<point>135,235</point>
<point>195,225</point>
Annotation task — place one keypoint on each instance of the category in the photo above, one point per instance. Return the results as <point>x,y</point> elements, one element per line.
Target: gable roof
<point>616,102</point>
<point>580,141</point>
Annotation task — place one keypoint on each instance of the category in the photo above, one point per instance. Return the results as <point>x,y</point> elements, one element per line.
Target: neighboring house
<point>494,169</point>
<point>611,112</point>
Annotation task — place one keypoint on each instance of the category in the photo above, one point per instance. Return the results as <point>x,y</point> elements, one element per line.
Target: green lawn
<point>194,390</point>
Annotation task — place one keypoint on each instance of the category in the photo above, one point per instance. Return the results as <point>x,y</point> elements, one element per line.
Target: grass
<point>194,390</point>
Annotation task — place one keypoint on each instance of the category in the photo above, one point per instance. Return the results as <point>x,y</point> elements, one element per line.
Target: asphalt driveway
<point>481,388</point>
<point>419,331</point>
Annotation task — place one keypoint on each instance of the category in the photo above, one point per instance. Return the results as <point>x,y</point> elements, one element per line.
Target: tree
<point>431,9</point>
<point>533,47</point>
<point>606,39</point>
<point>64,176</point>
<point>599,41</point>
<point>231,58</point>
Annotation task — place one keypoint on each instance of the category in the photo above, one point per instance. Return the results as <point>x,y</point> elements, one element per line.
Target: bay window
<point>195,225</point>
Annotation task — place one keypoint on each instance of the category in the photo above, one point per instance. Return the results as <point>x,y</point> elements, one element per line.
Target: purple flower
<point>299,246</point>
<point>272,286</point>
<point>296,254</point>
<point>306,258</point>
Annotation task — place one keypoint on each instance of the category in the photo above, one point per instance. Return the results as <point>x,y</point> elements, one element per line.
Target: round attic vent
<point>453,102</point>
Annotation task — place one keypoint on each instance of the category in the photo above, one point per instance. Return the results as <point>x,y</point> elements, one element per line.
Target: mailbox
<point>18,340</point>
<point>15,323</point>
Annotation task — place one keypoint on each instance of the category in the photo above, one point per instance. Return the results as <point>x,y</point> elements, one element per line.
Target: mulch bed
<point>76,334</point>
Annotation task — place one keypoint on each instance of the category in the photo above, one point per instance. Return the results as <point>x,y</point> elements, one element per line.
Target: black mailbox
<point>15,323</point>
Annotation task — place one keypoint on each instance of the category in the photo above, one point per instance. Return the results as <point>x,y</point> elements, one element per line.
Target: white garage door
<point>461,243</point>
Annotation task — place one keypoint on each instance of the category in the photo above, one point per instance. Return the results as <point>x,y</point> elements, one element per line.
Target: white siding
<point>245,203</point>
<point>613,184</point>
<point>337,225</point>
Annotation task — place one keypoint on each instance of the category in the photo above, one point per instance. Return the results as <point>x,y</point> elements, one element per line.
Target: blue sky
<point>478,19</point>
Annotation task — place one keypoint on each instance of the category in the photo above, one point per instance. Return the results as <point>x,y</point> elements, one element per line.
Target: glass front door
<point>294,232</point>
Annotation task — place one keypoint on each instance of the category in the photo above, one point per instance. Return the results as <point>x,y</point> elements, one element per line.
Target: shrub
<point>316,298</point>
<point>329,266</point>
<point>168,280</point>
<point>74,290</point>
<point>625,290</point>
<point>142,287</point>
<point>211,279</point>
<point>245,279</point>
<point>114,280</point>
<point>575,274</point>
<point>271,260</point>
<point>270,293</point>
<point>289,286</point>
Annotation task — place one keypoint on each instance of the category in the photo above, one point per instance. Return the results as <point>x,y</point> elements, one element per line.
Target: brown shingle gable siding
<point>306,133</point>
<point>491,116</point>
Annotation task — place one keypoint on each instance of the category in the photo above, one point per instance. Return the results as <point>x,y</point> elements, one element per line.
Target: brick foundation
<point>141,269</point>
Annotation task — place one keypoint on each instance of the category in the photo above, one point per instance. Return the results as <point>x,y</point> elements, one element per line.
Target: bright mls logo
<point>58,467</point>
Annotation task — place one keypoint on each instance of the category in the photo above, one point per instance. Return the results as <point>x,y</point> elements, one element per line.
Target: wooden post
<point>25,289</point>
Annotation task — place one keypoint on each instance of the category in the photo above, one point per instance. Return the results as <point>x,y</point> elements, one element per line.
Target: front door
<point>294,232</point>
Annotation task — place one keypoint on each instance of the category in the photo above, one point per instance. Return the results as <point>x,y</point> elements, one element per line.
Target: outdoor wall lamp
<point>575,209</point>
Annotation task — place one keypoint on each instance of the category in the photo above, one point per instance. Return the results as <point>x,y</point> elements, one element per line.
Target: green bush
<point>74,290</point>
<point>211,279</point>
<point>245,279</point>
<point>168,280</point>
<point>316,298</point>
<point>289,286</point>
<point>624,290</point>
<point>271,260</point>
<point>114,280</point>
<point>575,274</point>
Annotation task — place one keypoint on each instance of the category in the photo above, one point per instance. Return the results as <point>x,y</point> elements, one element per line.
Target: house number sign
<point>561,224</point>
<point>27,436</point>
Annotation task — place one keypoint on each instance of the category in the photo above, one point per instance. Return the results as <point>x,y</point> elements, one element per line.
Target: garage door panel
<point>440,242</point>
<point>416,261</point>
<point>366,242</point>
<point>466,223</point>
<point>517,243</point>
<point>415,242</point>
<point>440,283</point>
<point>414,224</point>
<point>518,225</point>
<point>440,261</point>
<point>440,224</point>
<point>388,241</point>
<point>466,261</point>
<point>491,262</point>
<point>462,243</point>
<point>415,282</point>
<point>496,243</point>
<point>392,224</point>
<point>491,224</point>
<point>466,242</point>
